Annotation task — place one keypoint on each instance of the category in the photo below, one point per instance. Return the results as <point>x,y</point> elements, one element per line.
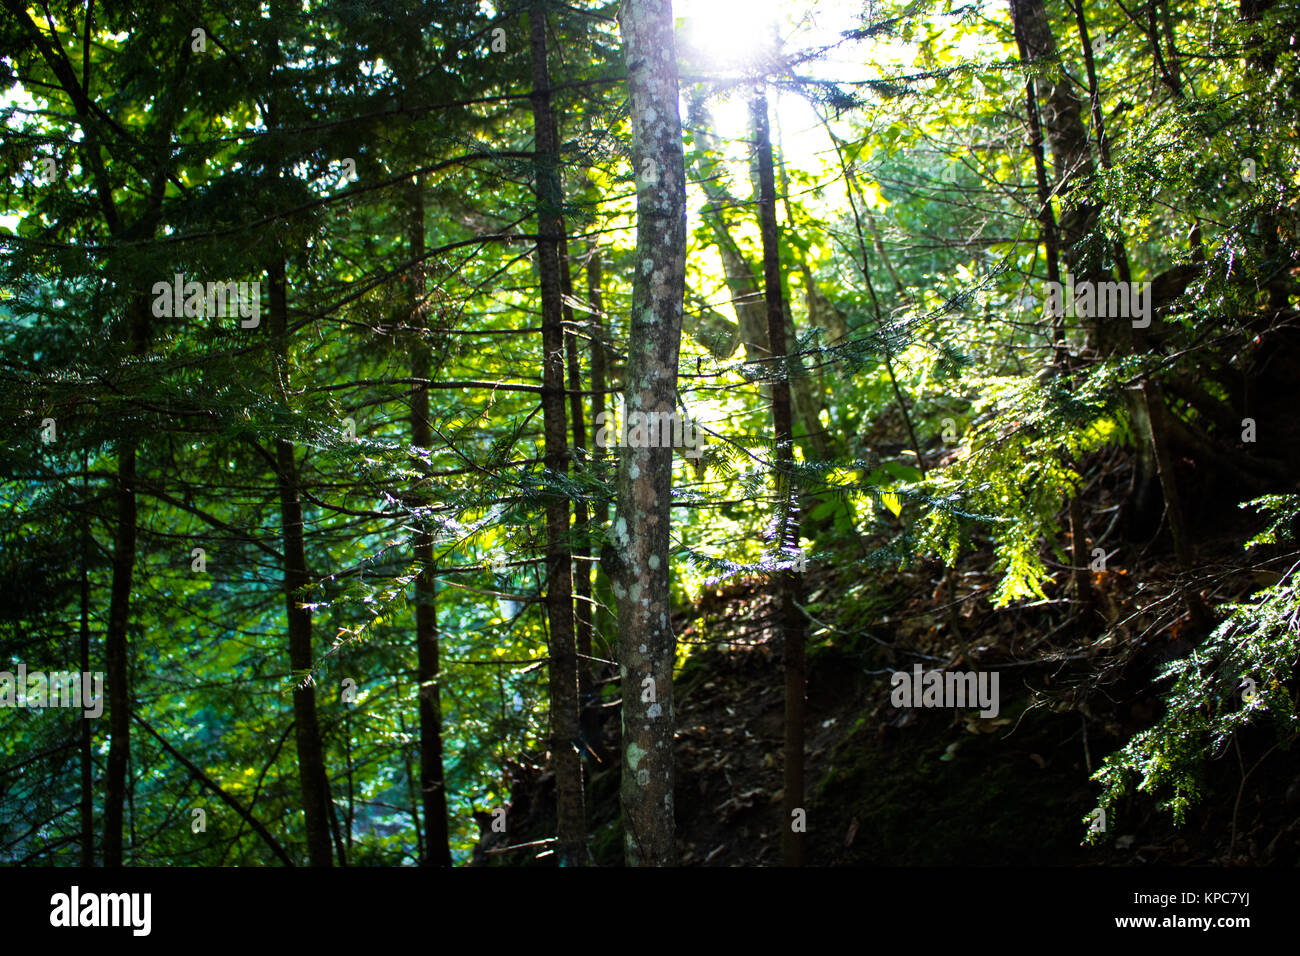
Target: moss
<point>606,844</point>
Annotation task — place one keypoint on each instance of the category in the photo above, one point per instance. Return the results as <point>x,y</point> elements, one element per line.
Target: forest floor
<point>894,786</point>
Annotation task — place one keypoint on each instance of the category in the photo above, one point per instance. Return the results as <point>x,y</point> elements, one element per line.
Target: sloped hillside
<point>932,786</point>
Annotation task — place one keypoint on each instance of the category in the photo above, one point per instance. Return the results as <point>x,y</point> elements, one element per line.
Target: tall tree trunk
<point>1060,109</point>
<point>1051,246</point>
<point>743,286</point>
<point>433,785</point>
<point>1098,121</point>
<point>312,779</point>
<point>116,645</point>
<point>637,555</point>
<point>787,506</point>
<point>1046,215</point>
<point>746,298</point>
<point>806,386</point>
<point>582,553</point>
<point>116,650</point>
<point>311,762</point>
<point>87,751</point>
<point>604,617</point>
<point>572,838</point>
<point>595,298</point>
<point>92,143</point>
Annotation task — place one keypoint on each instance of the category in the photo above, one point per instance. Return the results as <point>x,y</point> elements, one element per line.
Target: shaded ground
<point>889,786</point>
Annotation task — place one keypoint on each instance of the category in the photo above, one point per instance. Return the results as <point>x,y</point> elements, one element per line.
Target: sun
<point>731,34</point>
<point>722,43</point>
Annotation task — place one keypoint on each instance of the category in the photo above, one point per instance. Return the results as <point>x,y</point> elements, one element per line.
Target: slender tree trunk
<point>87,750</point>
<point>746,298</point>
<point>1051,246</point>
<point>787,505</point>
<point>599,511</point>
<point>116,649</point>
<point>582,553</point>
<point>571,834</point>
<point>1056,104</point>
<point>350,818</point>
<point>1060,111</point>
<point>637,556</point>
<point>433,785</point>
<point>1098,122</point>
<point>1171,46</point>
<point>1046,216</point>
<point>410,790</point>
<point>311,762</point>
<point>604,619</point>
<point>806,386</point>
<point>312,779</point>
<point>116,645</point>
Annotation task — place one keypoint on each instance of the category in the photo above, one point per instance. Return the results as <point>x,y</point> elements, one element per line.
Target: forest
<point>744,433</point>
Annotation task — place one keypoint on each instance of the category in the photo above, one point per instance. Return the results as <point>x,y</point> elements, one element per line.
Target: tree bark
<point>563,668</point>
<point>787,505</point>
<point>1098,121</point>
<point>1061,119</point>
<point>87,750</point>
<point>116,645</point>
<point>1061,112</point>
<point>582,606</point>
<point>116,649</point>
<point>595,299</point>
<point>604,616</point>
<point>637,555</point>
<point>1051,246</point>
<point>1046,215</point>
<point>746,295</point>
<point>311,762</point>
<point>433,785</point>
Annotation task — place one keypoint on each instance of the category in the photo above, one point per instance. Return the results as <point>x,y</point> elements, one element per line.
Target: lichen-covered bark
<point>563,666</point>
<point>637,556</point>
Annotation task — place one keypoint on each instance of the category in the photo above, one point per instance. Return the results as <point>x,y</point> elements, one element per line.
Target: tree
<point>638,558</point>
<point>785,530</point>
<point>563,668</point>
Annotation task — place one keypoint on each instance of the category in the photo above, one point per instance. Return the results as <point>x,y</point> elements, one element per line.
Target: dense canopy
<point>451,432</point>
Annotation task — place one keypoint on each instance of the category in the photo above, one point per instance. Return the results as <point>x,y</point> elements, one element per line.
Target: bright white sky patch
<point>724,39</point>
<point>721,39</point>
<point>731,34</point>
